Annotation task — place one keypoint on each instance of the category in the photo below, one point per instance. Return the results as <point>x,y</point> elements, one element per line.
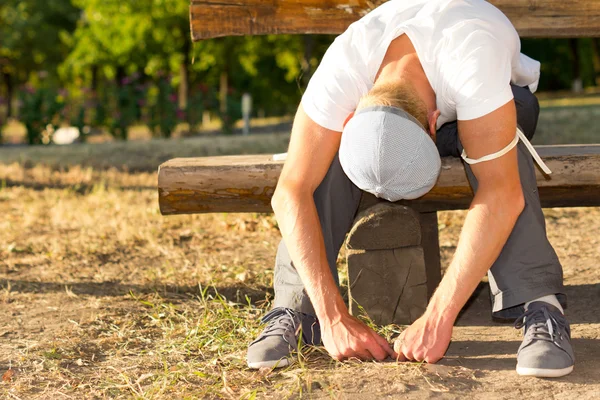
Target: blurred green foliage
<point>114,63</point>
<point>40,111</point>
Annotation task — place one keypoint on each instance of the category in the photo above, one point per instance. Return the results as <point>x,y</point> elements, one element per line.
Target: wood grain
<point>246,183</point>
<point>531,18</point>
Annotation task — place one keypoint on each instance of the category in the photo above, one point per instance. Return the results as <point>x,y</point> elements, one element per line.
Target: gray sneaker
<point>274,346</point>
<point>546,350</point>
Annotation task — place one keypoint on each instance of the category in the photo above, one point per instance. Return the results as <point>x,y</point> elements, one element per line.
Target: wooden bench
<point>392,271</point>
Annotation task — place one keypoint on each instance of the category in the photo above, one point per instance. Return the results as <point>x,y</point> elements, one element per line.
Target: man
<point>384,88</point>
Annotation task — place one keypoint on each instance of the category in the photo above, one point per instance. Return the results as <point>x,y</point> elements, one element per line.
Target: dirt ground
<point>102,297</point>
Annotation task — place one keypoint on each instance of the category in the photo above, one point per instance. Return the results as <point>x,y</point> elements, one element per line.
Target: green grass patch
<point>568,124</point>
<point>142,156</point>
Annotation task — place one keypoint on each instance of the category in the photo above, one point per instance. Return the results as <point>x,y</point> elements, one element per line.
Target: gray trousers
<point>526,269</point>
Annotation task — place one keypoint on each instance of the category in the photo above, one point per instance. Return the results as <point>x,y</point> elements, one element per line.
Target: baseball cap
<point>387,152</point>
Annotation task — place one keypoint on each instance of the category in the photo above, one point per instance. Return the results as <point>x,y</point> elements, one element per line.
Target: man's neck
<point>402,63</point>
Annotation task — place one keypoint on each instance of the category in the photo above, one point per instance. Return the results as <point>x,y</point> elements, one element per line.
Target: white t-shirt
<point>469,51</point>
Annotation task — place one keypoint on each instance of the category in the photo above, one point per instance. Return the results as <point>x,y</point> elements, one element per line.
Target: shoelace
<point>282,322</point>
<point>542,325</point>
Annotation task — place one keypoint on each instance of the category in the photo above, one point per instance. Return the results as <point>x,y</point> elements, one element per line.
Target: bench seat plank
<point>531,18</point>
<point>246,183</point>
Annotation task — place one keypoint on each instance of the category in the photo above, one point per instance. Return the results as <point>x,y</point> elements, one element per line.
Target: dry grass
<point>109,299</point>
<point>102,297</point>
<point>123,292</point>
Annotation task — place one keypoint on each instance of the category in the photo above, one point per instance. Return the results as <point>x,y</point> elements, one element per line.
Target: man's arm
<point>489,222</point>
<point>311,152</point>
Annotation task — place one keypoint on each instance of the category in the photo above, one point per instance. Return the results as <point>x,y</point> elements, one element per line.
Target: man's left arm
<point>492,215</point>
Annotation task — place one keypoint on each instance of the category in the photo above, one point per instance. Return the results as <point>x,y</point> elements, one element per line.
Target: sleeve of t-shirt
<point>481,83</point>
<point>336,87</point>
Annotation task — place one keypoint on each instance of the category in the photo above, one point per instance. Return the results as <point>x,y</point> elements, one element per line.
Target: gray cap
<point>387,152</point>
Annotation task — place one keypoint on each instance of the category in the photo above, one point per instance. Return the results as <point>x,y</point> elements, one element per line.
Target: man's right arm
<point>311,152</point>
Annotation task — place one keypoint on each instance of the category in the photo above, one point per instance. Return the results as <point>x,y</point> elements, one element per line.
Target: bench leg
<point>393,263</point>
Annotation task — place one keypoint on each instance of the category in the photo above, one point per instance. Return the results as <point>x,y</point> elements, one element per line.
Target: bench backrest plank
<point>532,18</point>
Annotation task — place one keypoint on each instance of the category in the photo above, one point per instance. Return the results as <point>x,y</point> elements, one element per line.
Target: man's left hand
<point>427,339</point>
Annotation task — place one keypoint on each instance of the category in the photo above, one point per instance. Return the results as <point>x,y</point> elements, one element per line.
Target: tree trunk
<point>120,75</point>
<point>94,72</point>
<point>224,110</point>
<point>309,45</point>
<point>596,51</point>
<point>391,272</point>
<point>223,89</point>
<point>9,94</point>
<point>577,84</point>
<point>184,75</point>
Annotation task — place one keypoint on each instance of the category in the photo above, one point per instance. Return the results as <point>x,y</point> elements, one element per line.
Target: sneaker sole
<point>544,373</point>
<point>284,362</point>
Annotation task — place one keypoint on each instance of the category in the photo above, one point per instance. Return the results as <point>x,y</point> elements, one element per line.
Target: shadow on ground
<point>583,306</point>
<point>501,355</point>
<point>477,312</point>
<point>237,293</point>
<point>80,188</point>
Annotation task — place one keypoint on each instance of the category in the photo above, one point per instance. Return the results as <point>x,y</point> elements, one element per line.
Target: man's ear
<point>348,119</point>
<point>432,118</point>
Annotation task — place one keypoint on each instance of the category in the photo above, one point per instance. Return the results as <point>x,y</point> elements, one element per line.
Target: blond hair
<point>395,94</point>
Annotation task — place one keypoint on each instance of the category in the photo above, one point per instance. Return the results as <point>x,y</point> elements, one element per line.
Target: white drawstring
<point>508,148</point>
<point>534,153</point>
<point>493,156</point>
<point>498,154</point>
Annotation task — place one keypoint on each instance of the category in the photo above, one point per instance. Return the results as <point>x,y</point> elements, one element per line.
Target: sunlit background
<point>124,70</point>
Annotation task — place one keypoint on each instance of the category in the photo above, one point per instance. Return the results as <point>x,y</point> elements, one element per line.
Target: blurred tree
<point>129,61</point>
<point>127,36</point>
<point>274,68</point>
<point>596,58</point>
<point>30,34</point>
<point>563,61</point>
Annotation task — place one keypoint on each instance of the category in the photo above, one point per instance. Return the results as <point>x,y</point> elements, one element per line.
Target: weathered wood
<point>532,18</point>
<point>246,183</point>
<point>392,283</point>
<point>216,184</point>
<point>361,236</point>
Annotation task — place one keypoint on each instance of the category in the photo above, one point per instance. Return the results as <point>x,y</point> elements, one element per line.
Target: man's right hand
<point>350,338</point>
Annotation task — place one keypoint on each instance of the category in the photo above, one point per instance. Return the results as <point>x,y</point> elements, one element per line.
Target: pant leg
<point>527,267</point>
<point>337,200</point>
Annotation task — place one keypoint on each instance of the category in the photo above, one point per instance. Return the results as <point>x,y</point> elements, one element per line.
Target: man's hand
<point>350,338</point>
<point>427,339</point>
<point>311,152</point>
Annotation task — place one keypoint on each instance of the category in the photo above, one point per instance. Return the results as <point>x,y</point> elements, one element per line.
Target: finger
<point>385,345</point>
<point>398,345</point>
<point>364,355</point>
<point>432,360</point>
<point>419,355</point>
<point>360,354</point>
<point>336,355</point>
<point>399,342</point>
<point>407,351</point>
<point>377,352</point>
